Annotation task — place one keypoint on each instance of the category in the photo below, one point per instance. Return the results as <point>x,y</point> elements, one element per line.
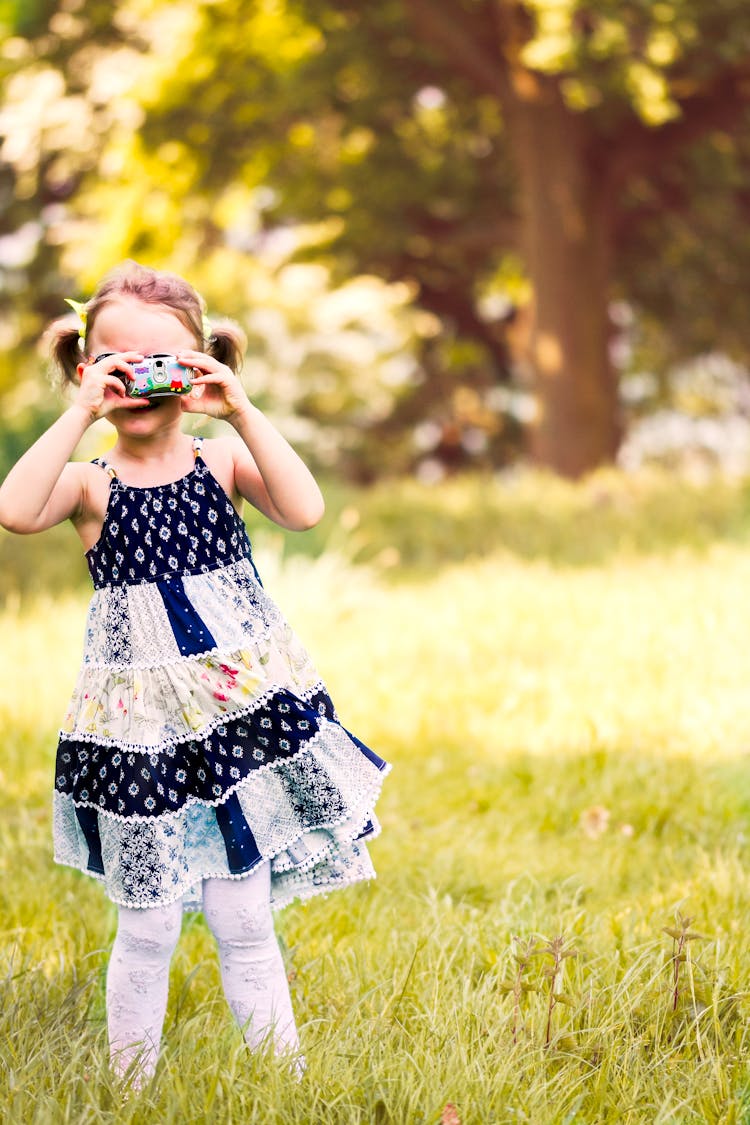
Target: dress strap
<point>197,446</point>
<point>106,466</point>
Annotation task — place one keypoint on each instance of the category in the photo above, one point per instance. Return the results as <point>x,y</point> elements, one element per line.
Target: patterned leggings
<point>255,983</point>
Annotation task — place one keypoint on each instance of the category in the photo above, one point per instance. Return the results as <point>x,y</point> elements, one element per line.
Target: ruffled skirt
<point>200,742</point>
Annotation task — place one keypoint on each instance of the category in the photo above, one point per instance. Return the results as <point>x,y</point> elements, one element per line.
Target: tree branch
<point>446,27</point>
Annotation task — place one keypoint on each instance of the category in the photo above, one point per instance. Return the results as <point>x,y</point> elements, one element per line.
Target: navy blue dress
<point>200,741</point>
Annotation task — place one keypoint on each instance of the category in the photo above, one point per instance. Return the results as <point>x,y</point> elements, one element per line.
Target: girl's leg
<point>137,985</point>
<point>255,983</point>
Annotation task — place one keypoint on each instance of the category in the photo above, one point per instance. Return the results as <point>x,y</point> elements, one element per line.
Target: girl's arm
<point>42,489</point>
<point>267,471</point>
<point>274,478</point>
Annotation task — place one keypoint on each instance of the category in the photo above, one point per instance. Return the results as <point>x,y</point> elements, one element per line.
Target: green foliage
<point>647,54</point>
<point>389,126</point>
<point>378,139</point>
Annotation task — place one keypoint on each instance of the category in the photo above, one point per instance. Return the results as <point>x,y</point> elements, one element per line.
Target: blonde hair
<point>223,339</point>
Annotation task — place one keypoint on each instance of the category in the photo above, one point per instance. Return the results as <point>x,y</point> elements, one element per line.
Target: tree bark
<point>567,224</point>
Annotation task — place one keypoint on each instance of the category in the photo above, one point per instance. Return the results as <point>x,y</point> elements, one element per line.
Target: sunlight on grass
<point>570,747</point>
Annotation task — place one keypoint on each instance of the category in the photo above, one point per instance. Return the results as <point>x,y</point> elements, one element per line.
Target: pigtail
<point>227,343</point>
<point>63,337</point>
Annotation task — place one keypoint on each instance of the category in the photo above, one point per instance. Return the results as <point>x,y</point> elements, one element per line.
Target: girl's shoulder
<point>89,476</point>
<point>220,443</point>
<point>223,451</point>
<point>217,450</point>
<point>219,455</point>
<point>94,480</point>
<point>94,485</point>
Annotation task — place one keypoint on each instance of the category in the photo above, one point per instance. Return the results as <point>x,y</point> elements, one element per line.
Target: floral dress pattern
<point>199,740</point>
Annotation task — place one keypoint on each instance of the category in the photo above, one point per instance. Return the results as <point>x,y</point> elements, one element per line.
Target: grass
<point>567,710</point>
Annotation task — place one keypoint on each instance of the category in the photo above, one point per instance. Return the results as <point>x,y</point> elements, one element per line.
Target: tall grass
<point>569,728</point>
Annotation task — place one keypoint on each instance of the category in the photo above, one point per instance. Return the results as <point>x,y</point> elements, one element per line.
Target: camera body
<point>158,375</point>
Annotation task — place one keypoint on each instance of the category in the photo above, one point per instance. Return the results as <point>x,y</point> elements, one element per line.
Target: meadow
<point>560,676</point>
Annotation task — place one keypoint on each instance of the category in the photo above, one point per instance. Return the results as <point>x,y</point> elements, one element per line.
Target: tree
<point>571,150</point>
<point>59,63</point>
<point>441,136</point>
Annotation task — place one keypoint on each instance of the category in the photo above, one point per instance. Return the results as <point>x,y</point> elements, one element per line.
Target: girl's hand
<point>217,390</point>
<point>101,390</point>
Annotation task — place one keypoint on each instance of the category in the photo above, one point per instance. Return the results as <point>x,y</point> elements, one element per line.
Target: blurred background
<point>464,236</point>
<point>493,261</point>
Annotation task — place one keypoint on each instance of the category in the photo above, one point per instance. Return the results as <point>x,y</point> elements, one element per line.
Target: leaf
<point>672,931</point>
<point>565,998</point>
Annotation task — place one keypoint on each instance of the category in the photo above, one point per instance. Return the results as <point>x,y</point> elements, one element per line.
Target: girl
<point>201,763</point>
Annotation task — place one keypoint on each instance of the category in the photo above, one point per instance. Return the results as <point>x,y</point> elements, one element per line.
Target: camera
<point>158,375</point>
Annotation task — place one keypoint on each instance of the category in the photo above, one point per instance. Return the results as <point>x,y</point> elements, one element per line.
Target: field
<point>559,676</point>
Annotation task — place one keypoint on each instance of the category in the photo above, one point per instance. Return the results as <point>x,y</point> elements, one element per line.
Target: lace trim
<point>152,864</point>
<point>316,857</point>
<point>323,886</point>
<point>218,720</point>
<point>247,783</point>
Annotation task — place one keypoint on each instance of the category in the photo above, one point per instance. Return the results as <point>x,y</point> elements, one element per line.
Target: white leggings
<point>252,970</point>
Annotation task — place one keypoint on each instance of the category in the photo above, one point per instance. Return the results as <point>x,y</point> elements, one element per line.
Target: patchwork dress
<point>199,740</point>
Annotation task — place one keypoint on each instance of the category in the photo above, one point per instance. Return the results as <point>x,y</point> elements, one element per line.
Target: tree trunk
<point>567,248</point>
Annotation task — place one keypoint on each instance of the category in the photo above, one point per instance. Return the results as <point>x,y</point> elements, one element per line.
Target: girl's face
<point>129,325</point>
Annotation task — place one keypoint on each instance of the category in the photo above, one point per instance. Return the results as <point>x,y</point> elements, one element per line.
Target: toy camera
<point>158,375</point>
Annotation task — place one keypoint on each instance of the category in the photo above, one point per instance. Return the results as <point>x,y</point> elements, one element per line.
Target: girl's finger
<point>115,360</point>
<point>116,364</point>
<point>121,364</point>
<point>209,377</point>
<point>129,357</point>
<point>204,363</point>
<point>197,362</point>
<point>114,384</point>
<point>197,355</point>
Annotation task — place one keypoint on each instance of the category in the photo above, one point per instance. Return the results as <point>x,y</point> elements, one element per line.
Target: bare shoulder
<point>78,480</point>
<point>93,483</point>
<point>220,454</point>
<point>80,495</point>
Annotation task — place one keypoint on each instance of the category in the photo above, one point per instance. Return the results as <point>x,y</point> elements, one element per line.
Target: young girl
<point>201,762</point>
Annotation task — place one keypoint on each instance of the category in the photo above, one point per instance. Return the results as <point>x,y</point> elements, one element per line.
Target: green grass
<point>410,530</point>
<point>568,714</point>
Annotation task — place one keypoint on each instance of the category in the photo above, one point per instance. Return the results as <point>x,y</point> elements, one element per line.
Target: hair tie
<point>207,329</point>
<point>79,308</point>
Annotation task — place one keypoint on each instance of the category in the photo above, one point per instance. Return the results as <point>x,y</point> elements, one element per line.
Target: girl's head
<point>127,285</point>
